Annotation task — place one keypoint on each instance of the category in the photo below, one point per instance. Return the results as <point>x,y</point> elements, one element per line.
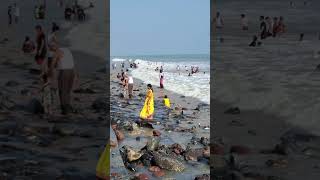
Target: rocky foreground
<point>174,145</point>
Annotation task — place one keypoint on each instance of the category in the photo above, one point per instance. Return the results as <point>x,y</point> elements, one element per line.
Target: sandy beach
<point>185,131</point>
<point>274,132</point>
<point>32,145</point>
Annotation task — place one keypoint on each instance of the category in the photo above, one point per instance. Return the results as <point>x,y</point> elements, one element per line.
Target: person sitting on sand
<point>28,45</point>
<point>166,101</point>
<point>148,108</point>
<point>244,22</point>
<point>254,41</point>
<point>46,93</point>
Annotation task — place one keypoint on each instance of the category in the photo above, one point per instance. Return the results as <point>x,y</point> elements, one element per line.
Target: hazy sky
<point>149,27</point>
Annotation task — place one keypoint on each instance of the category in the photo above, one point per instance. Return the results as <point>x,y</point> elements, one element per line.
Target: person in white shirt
<point>64,61</point>
<point>16,13</point>
<point>130,85</point>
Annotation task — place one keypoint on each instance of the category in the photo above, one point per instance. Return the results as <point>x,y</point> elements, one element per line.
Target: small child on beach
<point>166,101</point>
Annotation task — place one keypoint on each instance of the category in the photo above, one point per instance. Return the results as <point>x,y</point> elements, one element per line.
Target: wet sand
<point>58,147</point>
<point>274,136</point>
<point>184,130</point>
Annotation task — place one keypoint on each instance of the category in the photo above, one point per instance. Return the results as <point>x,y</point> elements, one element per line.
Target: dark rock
<point>252,132</point>
<point>119,135</point>
<point>141,95</point>
<point>158,173</point>
<point>152,144</point>
<point>35,71</point>
<point>34,106</point>
<point>100,105</point>
<point>154,168</point>
<point>167,162</point>
<point>84,91</point>
<point>233,110</point>
<point>193,154</point>
<point>138,138</point>
<point>238,149</point>
<point>121,95</point>
<point>204,141</point>
<point>141,176</point>
<point>202,177</point>
<point>25,92</point>
<point>156,133</point>
<point>12,83</point>
<point>176,148</point>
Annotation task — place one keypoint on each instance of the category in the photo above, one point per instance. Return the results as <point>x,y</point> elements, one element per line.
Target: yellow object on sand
<point>148,107</point>
<point>103,166</point>
<point>167,102</point>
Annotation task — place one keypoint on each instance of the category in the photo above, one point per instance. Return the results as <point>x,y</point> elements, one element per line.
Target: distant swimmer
<point>189,74</point>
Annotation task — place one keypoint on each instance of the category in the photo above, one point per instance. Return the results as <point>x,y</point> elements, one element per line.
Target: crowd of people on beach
<point>269,26</point>
<point>56,66</point>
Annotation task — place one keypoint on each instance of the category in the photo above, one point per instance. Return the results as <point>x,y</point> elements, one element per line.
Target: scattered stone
<point>132,155</point>
<point>204,141</point>
<point>100,105</point>
<point>156,133</point>
<point>233,110</point>
<point>194,154</point>
<point>121,95</point>
<point>138,138</point>
<point>252,132</point>
<point>218,149</point>
<point>241,150</point>
<point>159,173</point>
<point>34,106</point>
<point>12,83</point>
<point>119,135</point>
<point>141,176</point>
<point>177,148</point>
<point>84,91</point>
<point>154,168</point>
<point>202,177</point>
<point>278,163</point>
<point>152,144</point>
<point>166,162</point>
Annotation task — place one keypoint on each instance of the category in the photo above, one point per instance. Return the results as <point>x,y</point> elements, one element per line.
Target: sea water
<point>197,85</point>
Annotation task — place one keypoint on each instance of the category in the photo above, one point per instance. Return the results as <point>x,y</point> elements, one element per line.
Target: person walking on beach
<point>148,108</point>
<point>269,26</point>
<point>244,22</point>
<point>130,86</point>
<point>275,26</point>
<point>263,28</point>
<point>9,15</point>
<point>16,13</point>
<point>41,47</point>
<point>66,75</point>
<point>219,21</point>
<point>161,81</point>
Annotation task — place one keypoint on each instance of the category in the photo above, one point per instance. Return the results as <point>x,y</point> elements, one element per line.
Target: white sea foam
<point>196,86</point>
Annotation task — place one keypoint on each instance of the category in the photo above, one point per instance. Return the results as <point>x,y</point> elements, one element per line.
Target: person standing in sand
<point>63,59</point>
<point>263,28</point>
<point>130,85</point>
<point>41,47</point>
<point>219,21</point>
<point>148,108</point>
<point>16,13</point>
<point>9,15</point>
<point>244,22</point>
